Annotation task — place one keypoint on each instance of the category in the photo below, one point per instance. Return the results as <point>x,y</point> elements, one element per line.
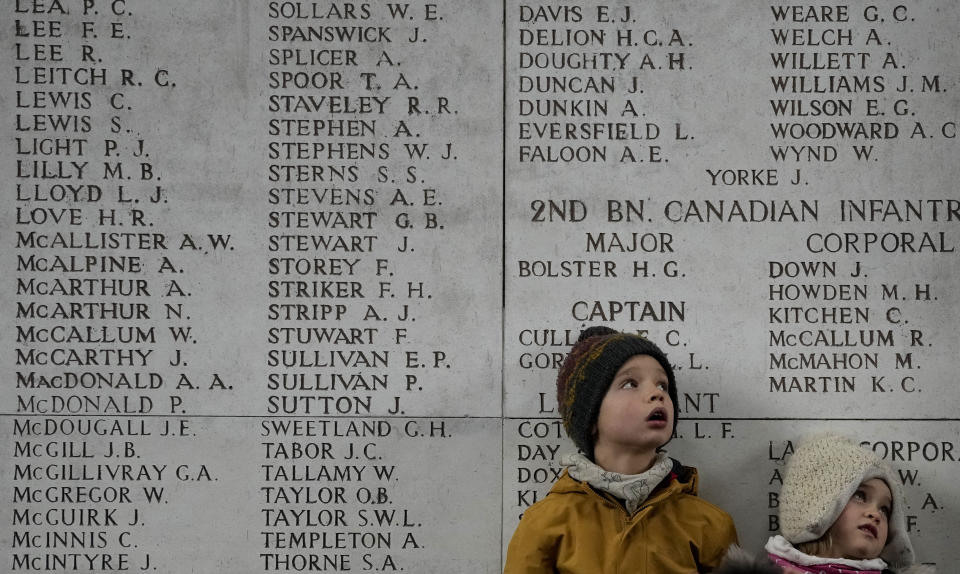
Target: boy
<point>621,505</point>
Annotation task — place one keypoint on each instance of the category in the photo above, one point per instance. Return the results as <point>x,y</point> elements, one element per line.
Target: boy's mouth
<point>870,529</point>
<point>658,416</point>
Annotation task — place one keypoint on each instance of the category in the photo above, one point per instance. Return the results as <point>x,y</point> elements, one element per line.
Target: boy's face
<point>860,532</point>
<point>637,413</point>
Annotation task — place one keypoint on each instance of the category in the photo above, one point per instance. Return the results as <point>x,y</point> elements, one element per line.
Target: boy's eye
<point>629,384</point>
<point>859,495</point>
<point>885,510</point>
<point>663,386</point>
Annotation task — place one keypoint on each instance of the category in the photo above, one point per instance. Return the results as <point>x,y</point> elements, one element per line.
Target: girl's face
<point>860,532</point>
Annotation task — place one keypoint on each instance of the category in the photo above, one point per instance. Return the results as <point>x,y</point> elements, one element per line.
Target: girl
<point>841,512</point>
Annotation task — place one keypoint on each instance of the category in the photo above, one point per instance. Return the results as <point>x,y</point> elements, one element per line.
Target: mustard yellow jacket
<point>578,530</point>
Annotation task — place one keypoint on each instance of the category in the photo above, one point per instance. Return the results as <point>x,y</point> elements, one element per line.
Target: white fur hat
<point>821,476</point>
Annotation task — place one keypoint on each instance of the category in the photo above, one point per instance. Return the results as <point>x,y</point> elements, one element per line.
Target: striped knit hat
<point>586,375</point>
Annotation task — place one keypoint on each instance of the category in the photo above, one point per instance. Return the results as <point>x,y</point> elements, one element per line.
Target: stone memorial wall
<point>286,284</point>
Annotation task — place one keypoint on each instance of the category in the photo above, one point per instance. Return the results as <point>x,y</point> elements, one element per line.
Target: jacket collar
<point>681,480</point>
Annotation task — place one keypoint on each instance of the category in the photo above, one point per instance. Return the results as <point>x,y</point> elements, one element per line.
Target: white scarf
<point>781,547</point>
<point>633,489</point>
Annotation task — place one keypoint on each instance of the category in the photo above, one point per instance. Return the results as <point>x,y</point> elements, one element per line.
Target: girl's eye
<point>629,384</point>
<point>859,495</point>
<point>662,386</point>
<point>886,511</point>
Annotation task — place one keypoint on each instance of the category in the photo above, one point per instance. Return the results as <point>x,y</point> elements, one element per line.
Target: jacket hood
<point>739,561</point>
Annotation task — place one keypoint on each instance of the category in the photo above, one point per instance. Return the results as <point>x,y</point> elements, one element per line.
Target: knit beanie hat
<point>821,476</point>
<point>586,375</point>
